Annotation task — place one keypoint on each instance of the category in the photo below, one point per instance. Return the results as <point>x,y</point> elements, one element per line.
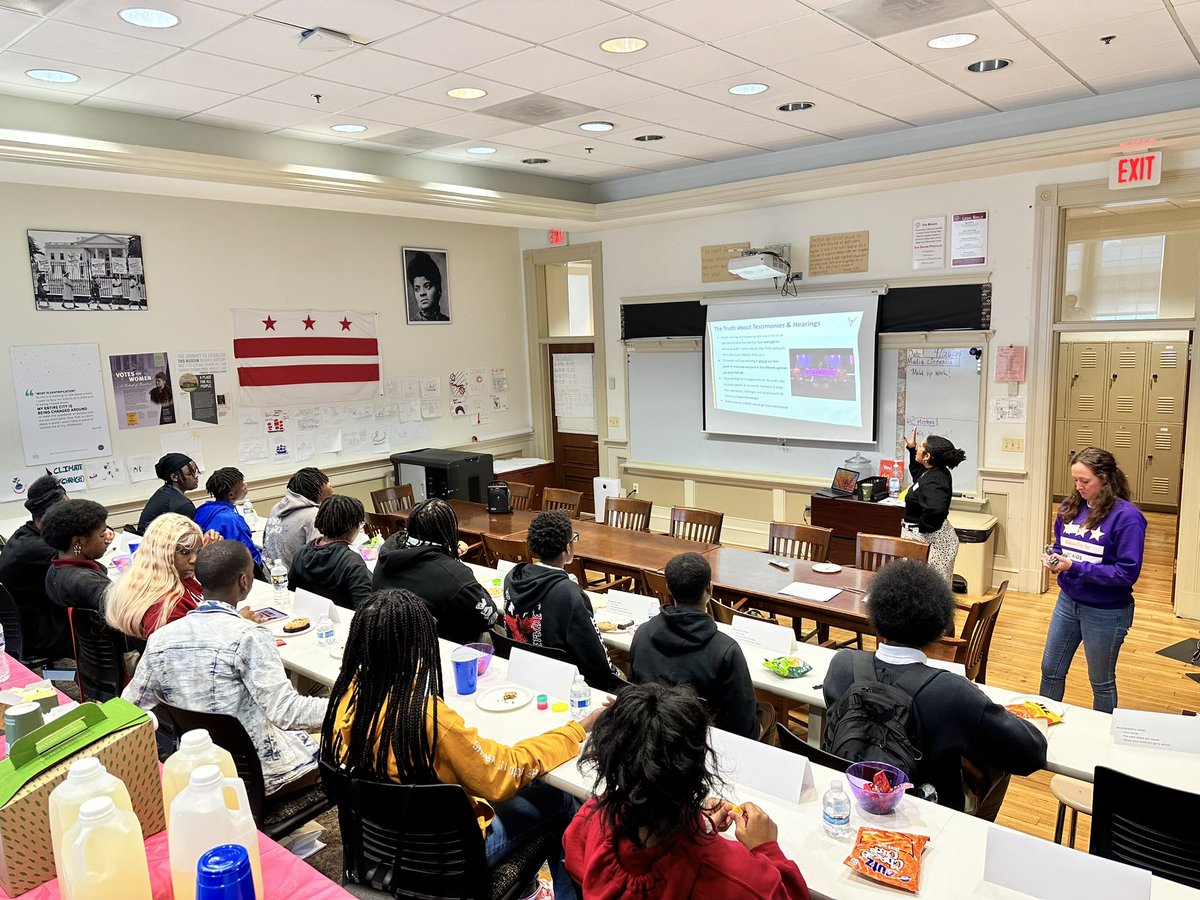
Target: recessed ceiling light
<point>623,45</point>
<point>950,41</point>
<point>348,128</point>
<point>649,137</point>
<point>481,151</point>
<point>535,161</point>
<point>55,76</point>
<point>466,93</point>
<point>989,65</point>
<point>795,106</point>
<point>750,88</point>
<point>596,126</point>
<point>144,17</point>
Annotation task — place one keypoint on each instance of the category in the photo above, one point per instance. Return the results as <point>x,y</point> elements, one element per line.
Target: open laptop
<point>845,483</point>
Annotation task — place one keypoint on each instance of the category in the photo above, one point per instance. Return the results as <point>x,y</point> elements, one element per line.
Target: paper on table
<point>806,591</point>
<point>760,766</point>
<point>541,674</point>
<point>1050,871</point>
<point>314,606</point>
<point>623,606</point>
<point>1156,731</point>
<point>504,566</point>
<point>771,640</point>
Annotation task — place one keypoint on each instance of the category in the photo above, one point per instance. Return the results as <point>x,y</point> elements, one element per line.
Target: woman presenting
<point>927,504</point>
<point>1099,540</point>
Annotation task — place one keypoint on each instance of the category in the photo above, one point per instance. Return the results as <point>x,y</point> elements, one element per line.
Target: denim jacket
<point>213,660</point>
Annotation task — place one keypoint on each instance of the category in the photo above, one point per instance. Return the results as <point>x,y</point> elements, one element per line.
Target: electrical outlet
<point>614,421</point>
<point>1014,445</point>
<point>634,489</point>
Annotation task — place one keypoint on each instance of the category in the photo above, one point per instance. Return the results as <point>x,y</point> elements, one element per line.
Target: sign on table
<point>1041,868</point>
<point>1156,731</point>
<point>760,766</point>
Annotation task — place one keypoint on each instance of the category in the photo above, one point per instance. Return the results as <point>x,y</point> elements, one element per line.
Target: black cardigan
<point>927,502</point>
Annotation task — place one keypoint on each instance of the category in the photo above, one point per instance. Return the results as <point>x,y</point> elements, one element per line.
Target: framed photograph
<point>426,291</point>
<point>86,270</point>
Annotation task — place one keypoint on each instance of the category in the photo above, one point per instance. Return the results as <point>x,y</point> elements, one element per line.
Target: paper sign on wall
<point>1156,731</point>
<point>929,243</point>
<point>760,766</point>
<point>60,402</point>
<point>969,240</point>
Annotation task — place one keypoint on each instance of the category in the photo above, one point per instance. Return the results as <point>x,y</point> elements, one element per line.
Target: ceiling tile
<point>697,146</point>
<point>719,119</point>
<point>660,41</point>
<point>881,85</point>
<point>656,109</point>
<point>401,111</point>
<point>855,121</point>
<point>416,139</point>
<point>215,72</point>
<point>1163,57</point>
<point>475,125</point>
<point>92,79</point>
<point>1142,76</point>
<point>1013,80</point>
<point>435,92</point>
<point>533,138</point>
<point>1040,96</point>
<point>335,97</point>
<point>134,108</point>
<point>364,20</point>
<point>327,137</point>
<point>379,71</point>
<point>1042,17</point>
<point>36,93</point>
<point>774,136</point>
<point>711,20</point>
<point>841,65</point>
<point>1131,32</point>
<point>540,21</point>
<point>441,6</point>
<point>264,114</point>
<point>322,125</point>
<point>13,24</point>
<point>625,128</point>
<point>267,43</point>
<point>607,153</point>
<point>78,44</point>
<point>195,21</point>
<point>780,89</point>
<point>637,5</point>
<point>992,29</point>
<point>790,40</point>
<point>952,66</point>
<point>609,90</point>
<point>938,104</point>
<point>167,94</point>
<point>445,39</point>
<point>245,7</point>
<point>537,69</point>
<point>688,67</point>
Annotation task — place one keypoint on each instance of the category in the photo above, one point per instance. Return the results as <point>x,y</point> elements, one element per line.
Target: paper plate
<point>826,568</point>
<point>337,652</point>
<point>1055,706</point>
<point>277,628</point>
<point>493,700</point>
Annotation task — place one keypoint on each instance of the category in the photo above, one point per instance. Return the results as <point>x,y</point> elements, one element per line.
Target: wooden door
<point>1166,385</point>
<point>1088,381</point>
<point>576,452</point>
<point>1124,441</point>
<point>1163,470</point>
<point>1127,381</point>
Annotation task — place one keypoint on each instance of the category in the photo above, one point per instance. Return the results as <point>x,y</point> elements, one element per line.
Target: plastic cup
<point>20,720</point>
<point>466,669</point>
<point>224,873</point>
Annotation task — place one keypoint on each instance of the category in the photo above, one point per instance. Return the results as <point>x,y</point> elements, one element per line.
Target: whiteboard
<point>938,392</point>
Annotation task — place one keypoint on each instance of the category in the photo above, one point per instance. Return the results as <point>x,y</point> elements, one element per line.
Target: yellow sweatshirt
<point>489,772</point>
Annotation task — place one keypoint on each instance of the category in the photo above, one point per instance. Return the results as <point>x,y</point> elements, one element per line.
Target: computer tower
<point>449,474</point>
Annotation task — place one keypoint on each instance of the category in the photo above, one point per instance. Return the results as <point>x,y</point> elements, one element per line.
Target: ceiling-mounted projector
<point>324,40</point>
<point>758,265</point>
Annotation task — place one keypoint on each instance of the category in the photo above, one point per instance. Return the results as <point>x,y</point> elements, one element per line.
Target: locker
<point>1062,387</point>
<point>1058,460</point>
<point>1127,381</point>
<point>1080,435</point>
<point>1166,385</point>
<point>1124,441</point>
<point>1162,470</point>
<point>1089,380</point>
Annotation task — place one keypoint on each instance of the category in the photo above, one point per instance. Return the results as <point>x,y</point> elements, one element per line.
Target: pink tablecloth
<point>19,676</point>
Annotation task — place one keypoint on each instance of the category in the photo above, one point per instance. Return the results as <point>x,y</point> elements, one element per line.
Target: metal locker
<point>1062,387</point>
<point>1080,435</point>
<point>1059,479</point>
<point>1166,383</point>
<point>1127,381</point>
<point>1124,441</point>
<point>1089,380</point>
<point>1163,470</point>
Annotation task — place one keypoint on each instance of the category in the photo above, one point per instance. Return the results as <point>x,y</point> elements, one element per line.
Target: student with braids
<point>387,721</point>
<point>329,566</point>
<point>220,514</point>
<point>655,831</point>
<point>292,523</point>
<point>424,560</point>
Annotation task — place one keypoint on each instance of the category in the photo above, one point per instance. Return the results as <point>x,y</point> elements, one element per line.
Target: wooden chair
<point>520,495</point>
<point>628,513</point>
<point>724,614</point>
<point>873,551</point>
<point>601,585</point>
<point>975,639</point>
<point>809,542</point>
<point>495,548</point>
<point>569,502</point>
<point>702,525</point>
<point>393,499</point>
<point>382,524</point>
<point>656,584</point>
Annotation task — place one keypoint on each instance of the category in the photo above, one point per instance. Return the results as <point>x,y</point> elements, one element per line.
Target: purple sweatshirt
<point>1105,560</point>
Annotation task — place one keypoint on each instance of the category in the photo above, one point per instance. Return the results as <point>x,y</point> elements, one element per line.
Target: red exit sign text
<point>1137,170</point>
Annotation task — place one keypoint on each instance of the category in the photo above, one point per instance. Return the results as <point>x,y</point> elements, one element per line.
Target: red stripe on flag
<point>270,376</point>
<point>257,348</point>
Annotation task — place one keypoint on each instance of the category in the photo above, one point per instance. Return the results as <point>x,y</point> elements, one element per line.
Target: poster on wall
<point>426,291</point>
<point>203,379</point>
<point>86,270</point>
<point>141,384</point>
<point>60,402</point>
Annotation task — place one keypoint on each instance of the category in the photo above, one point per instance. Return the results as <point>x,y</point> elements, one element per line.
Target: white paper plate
<point>826,568</point>
<point>337,652</point>
<point>277,628</point>
<point>1055,706</point>
<point>493,700</point>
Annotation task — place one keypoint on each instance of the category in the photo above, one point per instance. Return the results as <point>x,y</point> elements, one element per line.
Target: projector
<point>758,265</point>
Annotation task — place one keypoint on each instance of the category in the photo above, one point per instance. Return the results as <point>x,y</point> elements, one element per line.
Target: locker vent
<point>1086,403</point>
<point>1125,405</point>
<point>1160,486</point>
<point>1088,358</point>
<point>1169,358</point>
<point>1128,359</point>
<point>1164,406</point>
<point>1164,440</point>
<point>1122,439</point>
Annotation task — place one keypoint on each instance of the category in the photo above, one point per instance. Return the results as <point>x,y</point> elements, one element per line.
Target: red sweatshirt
<point>710,868</point>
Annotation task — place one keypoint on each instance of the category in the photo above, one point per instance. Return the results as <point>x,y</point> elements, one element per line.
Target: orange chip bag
<point>890,857</point>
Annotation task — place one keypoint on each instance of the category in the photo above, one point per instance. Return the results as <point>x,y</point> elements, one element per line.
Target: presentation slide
<point>800,368</point>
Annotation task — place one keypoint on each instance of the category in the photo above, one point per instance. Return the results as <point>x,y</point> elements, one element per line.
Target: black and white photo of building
<point>81,270</point>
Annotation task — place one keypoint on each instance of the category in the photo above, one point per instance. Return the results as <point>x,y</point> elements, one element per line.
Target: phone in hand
<point>1053,560</point>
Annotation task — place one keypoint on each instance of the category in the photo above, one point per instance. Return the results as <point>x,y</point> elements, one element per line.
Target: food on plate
<point>1031,709</point>
<point>788,666</point>
<point>298,624</point>
<point>606,626</point>
<point>889,857</point>
<point>509,697</point>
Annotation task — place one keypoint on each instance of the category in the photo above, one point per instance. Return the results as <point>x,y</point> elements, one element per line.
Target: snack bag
<point>1031,709</point>
<point>889,857</point>
<point>788,666</point>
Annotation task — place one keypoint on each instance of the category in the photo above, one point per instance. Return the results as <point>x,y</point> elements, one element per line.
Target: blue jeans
<point>1102,632</point>
<point>533,806</point>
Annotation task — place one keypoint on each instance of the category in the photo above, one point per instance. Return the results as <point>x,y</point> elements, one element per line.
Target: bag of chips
<point>1031,709</point>
<point>889,857</point>
<point>788,666</point>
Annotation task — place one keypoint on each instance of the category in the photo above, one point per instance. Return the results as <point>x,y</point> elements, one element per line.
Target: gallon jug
<point>103,854</point>
<point>86,779</point>
<point>200,821</point>
<point>196,749</point>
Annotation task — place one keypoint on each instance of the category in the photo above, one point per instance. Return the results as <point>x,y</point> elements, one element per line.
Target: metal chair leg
<point>1074,822</point>
<point>1058,825</point>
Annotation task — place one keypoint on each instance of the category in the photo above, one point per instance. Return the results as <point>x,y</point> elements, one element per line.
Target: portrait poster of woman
<point>426,288</point>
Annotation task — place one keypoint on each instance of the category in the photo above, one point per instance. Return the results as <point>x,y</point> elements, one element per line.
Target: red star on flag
<point>269,323</point>
<point>345,323</point>
<point>309,322</point>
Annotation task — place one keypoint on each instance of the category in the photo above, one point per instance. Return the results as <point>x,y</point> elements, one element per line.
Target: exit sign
<point>1136,170</point>
<point>558,237</point>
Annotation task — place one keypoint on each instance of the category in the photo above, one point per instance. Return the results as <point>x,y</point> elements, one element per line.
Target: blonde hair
<point>153,575</point>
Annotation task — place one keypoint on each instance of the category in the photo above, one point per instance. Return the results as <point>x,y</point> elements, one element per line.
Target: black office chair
<point>274,817</point>
<point>1147,825</point>
<point>99,655</point>
<point>10,621</point>
<point>793,744</point>
<point>423,841</point>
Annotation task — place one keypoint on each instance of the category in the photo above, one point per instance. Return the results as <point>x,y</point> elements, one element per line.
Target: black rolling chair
<point>274,817</point>
<point>10,621</point>
<point>99,652</point>
<point>793,744</point>
<point>423,841</point>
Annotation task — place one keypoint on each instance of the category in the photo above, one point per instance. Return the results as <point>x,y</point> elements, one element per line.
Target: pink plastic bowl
<point>877,804</point>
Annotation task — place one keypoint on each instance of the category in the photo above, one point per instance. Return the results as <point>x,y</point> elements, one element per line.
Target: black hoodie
<point>681,645</point>
<point>462,606</point>
<point>544,607</point>
<point>335,570</point>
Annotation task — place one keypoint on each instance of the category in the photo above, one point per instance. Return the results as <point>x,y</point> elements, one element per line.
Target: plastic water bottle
<point>581,698</point>
<point>248,512</point>
<point>3,658</point>
<point>325,635</point>
<point>279,579</point>
<point>835,811</point>
<point>894,480</point>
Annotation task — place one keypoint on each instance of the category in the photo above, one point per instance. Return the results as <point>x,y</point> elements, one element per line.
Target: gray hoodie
<point>290,526</point>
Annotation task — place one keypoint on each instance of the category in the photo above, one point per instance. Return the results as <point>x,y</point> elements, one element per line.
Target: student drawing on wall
<point>161,395</point>
<point>425,285</point>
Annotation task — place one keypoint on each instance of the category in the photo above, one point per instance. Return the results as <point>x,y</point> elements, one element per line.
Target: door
<point>573,415</point>
<point>1127,381</point>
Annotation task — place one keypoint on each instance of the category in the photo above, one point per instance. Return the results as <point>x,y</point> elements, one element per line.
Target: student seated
<point>911,607</point>
<point>681,645</point>
<point>329,566</point>
<point>220,514</point>
<point>424,560</point>
<point>215,661</point>
<point>24,561</point>
<point>179,473</point>
<point>650,834</point>
<point>388,721</point>
<point>292,522</point>
<point>160,585</point>
<point>78,530</point>
<point>543,606</point>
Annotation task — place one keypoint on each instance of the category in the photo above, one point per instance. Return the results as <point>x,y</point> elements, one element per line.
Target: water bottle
<point>279,579</point>
<point>581,698</point>
<point>325,635</point>
<point>3,658</point>
<point>894,480</point>
<point>835,811</point>
<point>248,513</point>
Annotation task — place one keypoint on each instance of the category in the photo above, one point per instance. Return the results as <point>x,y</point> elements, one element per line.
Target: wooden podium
<point>847,517</point>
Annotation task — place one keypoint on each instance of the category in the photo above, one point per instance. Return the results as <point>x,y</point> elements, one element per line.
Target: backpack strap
<point>913,678</point>
<point>864,666</point>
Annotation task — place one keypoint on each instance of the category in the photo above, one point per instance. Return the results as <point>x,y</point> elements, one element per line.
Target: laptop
<point>845,483</point>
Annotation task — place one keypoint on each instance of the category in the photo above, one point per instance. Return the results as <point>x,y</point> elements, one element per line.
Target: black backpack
<point>876,720</point>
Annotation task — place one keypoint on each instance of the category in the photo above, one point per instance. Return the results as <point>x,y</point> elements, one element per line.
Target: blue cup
<point>466,669</point>
<point>224,873</point>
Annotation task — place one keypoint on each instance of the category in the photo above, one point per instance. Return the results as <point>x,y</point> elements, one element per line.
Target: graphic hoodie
<point>291,525</point>
<point>1105,560</point>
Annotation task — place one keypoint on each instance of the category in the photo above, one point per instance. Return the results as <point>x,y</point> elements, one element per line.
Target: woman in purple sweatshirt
<point>1099,540</point>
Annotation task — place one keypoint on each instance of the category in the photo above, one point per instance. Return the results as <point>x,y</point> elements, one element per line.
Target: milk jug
<point>103,857</point>
<point>86,778</point>
<point>196,749</point>
<point>200,820</point>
